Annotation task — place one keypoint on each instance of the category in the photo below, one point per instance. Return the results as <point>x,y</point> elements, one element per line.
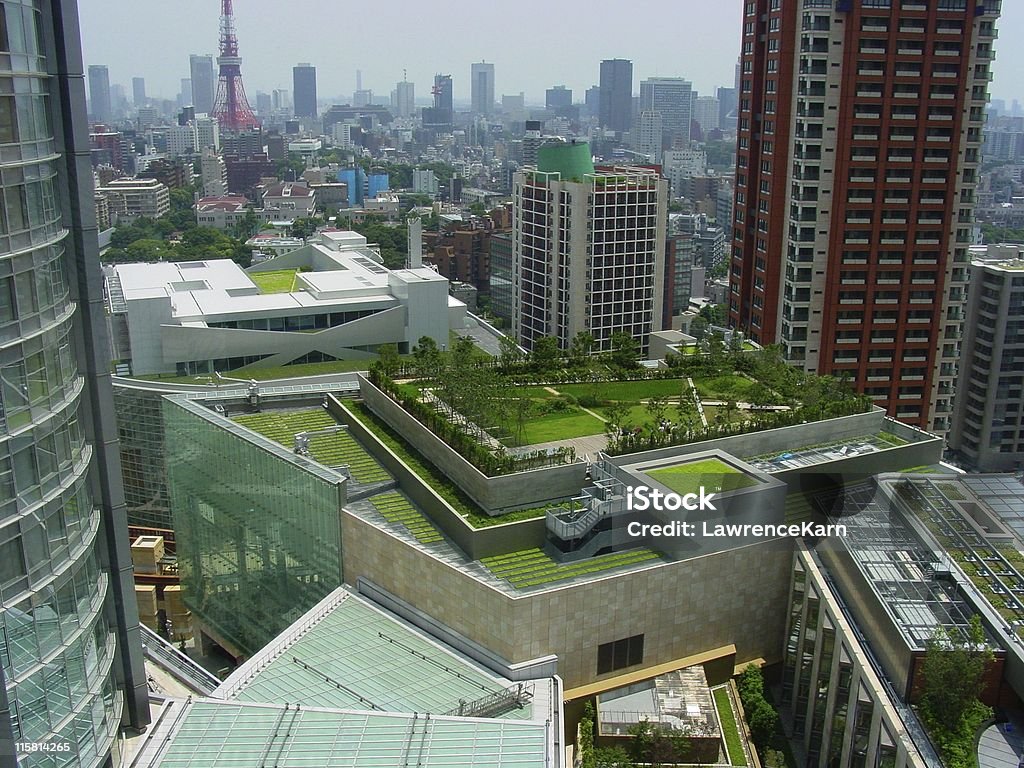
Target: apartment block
<point>859,133</point>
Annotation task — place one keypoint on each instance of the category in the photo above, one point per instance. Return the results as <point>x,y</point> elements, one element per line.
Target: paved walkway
<point>1001,746</point>
<point>589,445</point>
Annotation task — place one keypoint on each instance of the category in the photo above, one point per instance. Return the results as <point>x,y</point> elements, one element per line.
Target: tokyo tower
<point>231,108</point>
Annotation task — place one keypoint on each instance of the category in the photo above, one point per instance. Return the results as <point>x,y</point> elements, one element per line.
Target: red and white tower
<point>231,108</point>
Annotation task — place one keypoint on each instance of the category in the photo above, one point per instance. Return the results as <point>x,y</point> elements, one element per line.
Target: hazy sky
<point>533,44</point>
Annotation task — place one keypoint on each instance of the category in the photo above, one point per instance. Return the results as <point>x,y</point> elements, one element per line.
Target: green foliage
<point>760,714</point>
<point>585,747</point>
<point>305,226</point>
<point>392,239</point>
<point>952,681</point>
<point>714,314</point>
<point>149,240</point>
<point>721,154</point>
<point>545,355</point>
<point>388,358</point>
<point>996,234</point>
<point>625,351</point>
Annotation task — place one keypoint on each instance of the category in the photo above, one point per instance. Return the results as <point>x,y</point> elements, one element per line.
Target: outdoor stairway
<point>533,567</point>
<point>395,508</point>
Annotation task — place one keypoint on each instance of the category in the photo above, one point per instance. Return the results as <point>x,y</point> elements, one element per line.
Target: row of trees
<point>761,717</point>
<point>547,357</point>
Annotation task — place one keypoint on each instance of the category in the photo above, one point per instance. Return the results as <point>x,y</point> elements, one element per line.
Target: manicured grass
<point>625,391</point>
<point>730,729</point>
<point>276,281</point>
<point>560,426</point>
<point>716,477</point>
<point>332,450</point>
<point>395,508</point>
<point>446,489</point>
<point>724,388</point>
<point>892,439</point>
<point>534,567</point>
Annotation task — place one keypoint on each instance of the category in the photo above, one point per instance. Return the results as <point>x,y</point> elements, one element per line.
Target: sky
<point>533,44</point>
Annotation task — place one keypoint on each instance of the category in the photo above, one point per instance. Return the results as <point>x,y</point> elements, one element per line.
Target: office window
<point>620,654</point>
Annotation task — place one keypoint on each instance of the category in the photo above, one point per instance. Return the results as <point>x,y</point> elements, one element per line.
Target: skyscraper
<point>673,98</point>
<point>440,116</point>
<point>405,99</point>
<point>588,249</point>
<point>71,669</point>
<point>558,98</point>
<point>858,158</point>
<point>204,83</point>
<point>99,93</point>
<point>138,91</point>
<point>482,88</point>
<point>304,88</point>
<point>616,102</point>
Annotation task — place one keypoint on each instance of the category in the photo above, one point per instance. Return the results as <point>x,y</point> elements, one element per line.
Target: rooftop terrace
<point>807,456</point>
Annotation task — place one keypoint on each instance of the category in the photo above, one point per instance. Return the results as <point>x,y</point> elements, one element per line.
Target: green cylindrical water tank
<point>571,159</point>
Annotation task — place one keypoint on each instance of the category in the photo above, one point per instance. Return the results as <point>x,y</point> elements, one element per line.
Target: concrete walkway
<point>1001,746</point>
<point>588,445</point>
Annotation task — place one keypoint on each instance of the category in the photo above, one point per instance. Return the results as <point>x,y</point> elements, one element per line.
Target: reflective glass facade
<point>62,669</point>
<point>140,432</point>
<point>258,530</point>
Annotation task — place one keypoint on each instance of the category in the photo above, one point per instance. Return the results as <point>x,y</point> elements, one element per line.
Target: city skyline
<point>696,41</point>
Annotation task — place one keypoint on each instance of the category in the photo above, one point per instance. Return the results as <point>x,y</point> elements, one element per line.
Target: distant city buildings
<point>99,93</point>
<point>204,82</point>
<point>138,91</point>
<point>672,97</point>
<point>482,88</point>
<point>615,105</point>
<point>404,101</point>
<point>304,88</point>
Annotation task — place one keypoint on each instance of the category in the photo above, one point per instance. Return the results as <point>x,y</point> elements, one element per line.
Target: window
<point>620,654</point>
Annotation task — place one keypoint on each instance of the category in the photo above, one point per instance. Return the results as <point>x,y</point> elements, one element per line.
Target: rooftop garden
<point>714,475</point>
<point>433,477</point>
<point>485,409</point>
<point>275,281</point>
<point>336,449</point>
<point>534,567</point>
<point>397,509</point>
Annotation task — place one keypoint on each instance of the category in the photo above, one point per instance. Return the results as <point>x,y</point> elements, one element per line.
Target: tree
<point>585,747</point>
<point>580,348</point>
<point>952,676</point>
<point>625,350</point>
<point>427,355</point>
<point>389,359</point>
<point>305,226</point>
<point>510,353</point>
<point>463,350</point>
<point>545,355</point>
<point>616,413</point>
<point>699,329</point>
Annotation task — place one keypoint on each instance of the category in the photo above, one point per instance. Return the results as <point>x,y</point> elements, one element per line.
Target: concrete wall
<point>494,494</point>
<point>475,542</point>
<point>682,608</point>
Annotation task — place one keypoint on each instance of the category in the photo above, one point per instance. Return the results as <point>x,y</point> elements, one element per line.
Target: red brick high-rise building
<point>860,125</point>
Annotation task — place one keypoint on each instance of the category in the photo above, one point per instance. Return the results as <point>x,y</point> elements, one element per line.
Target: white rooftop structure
<point>332,299</point>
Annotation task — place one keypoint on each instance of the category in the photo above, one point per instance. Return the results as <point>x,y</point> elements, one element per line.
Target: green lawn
<point>716,476</point>
<point>625,390</point>
<point>534,567</point>
<point>433,477</point>
<point>730,729</point>
<point>560,426</point>
<point>275,281</point>
<point>724,388</point>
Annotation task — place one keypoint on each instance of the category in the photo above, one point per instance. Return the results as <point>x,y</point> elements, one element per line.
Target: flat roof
<point>348,653</point>
<point>218,734</point>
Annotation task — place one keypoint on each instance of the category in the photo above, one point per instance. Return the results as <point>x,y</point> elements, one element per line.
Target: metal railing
<point>176,663</point>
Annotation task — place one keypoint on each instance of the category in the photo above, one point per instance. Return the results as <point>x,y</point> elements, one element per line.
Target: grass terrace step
<point>396,509</point>
<point>533,567</point>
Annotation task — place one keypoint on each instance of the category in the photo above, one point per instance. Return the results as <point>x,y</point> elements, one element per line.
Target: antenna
<point>231,108</point>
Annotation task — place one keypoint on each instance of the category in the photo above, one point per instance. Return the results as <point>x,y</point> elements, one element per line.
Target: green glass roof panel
<point>355,656</point>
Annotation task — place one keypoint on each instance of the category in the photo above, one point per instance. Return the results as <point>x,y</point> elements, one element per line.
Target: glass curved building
<point>70,658</point>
